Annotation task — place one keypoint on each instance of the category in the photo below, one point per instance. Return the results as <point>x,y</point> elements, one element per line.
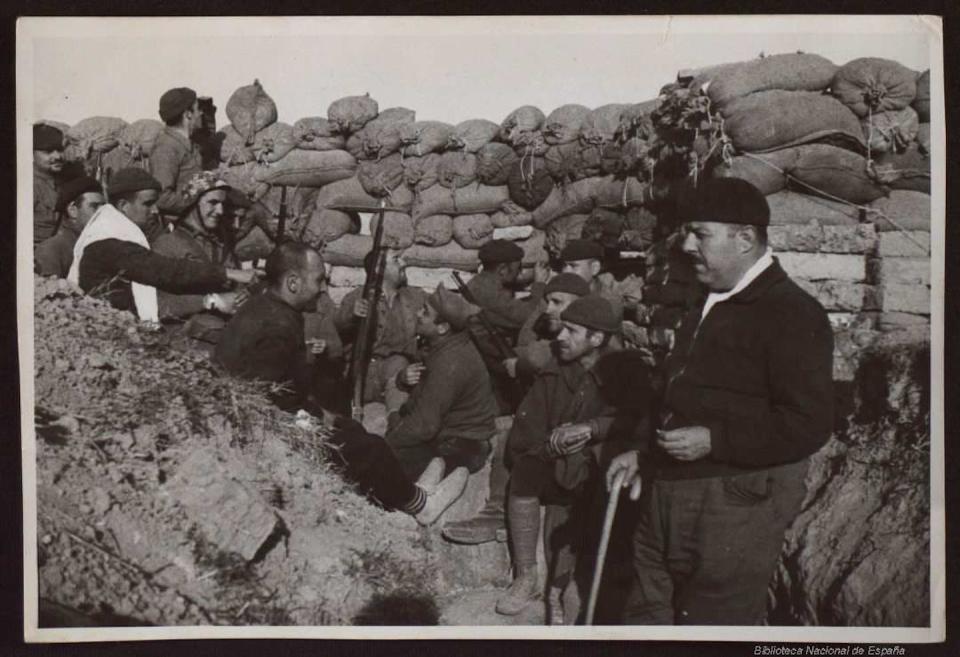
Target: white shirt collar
<point>748,277</point>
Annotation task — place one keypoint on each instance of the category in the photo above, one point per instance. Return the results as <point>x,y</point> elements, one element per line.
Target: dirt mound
<point>168,494</point>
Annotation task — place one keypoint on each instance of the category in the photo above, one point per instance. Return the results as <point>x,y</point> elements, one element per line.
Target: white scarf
<point>109,223</point>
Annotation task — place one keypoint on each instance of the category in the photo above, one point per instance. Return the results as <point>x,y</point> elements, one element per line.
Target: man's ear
<point>72,210</point>
<point>596,339</point>
<point>443,327</point>
<point>292,282</point>
<point>594,267</point>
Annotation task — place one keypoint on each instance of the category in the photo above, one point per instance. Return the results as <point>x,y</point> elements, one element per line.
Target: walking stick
<point>604,542</point>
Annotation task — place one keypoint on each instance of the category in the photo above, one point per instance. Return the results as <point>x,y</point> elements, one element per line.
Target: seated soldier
<point>451,409</point>
<point>395,339</point>
<point>77,202</point>
<point>571,405</point>
<point>535,352</point>
<point>265,341</point>
<point>112,256</point>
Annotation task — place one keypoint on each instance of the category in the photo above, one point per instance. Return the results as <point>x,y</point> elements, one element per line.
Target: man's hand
<point>685,443</point>
<point>224,302</point>
<point>361,307</point>
<point>569,439</point>
<point>541,272</point>
<point>244,276</point>
<point>510,365</point>
<point>628,464</point>
<point>411,374</point>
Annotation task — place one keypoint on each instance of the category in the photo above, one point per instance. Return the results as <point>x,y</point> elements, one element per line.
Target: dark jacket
<point>184,244</point>
<point>454,398</point>
<point>111,265</point>
<point>498,303</point>
<point>45,190</point>
<point>54,255</point>
<point>173,162</point>
<point>396,323</point>
<point>757,373</point>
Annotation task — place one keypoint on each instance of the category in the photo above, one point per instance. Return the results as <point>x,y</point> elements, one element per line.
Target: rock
<point>842,295</point>
<point>910,243</point>
<point>824,266</point>
<point>903,298</point>
<point>814,238</point>
<point>900,270</point>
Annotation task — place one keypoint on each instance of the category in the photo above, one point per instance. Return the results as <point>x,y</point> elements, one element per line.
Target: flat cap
<point>131,179</point>
<point>498,251</point>
<point>175,102</point>
<point>581,250</point>
<point>47,138</point>
<point>569,283</point>
<point>592,311</point>
<point>74,189</point>
<point>452,308</point>
<point>727,201</point>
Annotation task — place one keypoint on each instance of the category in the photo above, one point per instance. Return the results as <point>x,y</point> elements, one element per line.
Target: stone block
<point>231,515</point>
<point>814,238</point>
<point>910,244</point>
<point>894,321</point>
<point>842,296</point>
<point>428,279</point>
<point>824,266</point>
<point>900,270</point>
<point>904,298</point>
<point>341,276</point>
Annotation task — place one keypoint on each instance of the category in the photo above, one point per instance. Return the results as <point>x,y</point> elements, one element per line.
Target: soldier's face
<point>427,320</point>
<point>85,207</point>
<point>395,269</point>
<point>211,208</point>
<point>717,253</point>
<point>585,269</point>
<point>143,208</point>
<point>575,341</point>
<point>49,161</point>
<point>312,282</point>
<point>557,302</point>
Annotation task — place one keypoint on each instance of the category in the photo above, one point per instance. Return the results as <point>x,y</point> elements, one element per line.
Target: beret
<point>569,283</point>
<point>498,251</point>
<point>131,179</point>
<point>581,250</point>
<point>725,200</point>
<point>452,308</point>
<point>175,102</point>
<point>47,138</point>
<point>74,189</point>
<point>592,311</point>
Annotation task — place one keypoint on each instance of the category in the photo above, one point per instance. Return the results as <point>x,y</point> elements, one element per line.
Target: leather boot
<point>523,519</point>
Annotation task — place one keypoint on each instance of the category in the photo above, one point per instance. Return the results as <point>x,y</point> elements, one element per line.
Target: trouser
<point>367,461</point>
<point>381,384</point>
<point>705,549</point>
<point>455,452</point>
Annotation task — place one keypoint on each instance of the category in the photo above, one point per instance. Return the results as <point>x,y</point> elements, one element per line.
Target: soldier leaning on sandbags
<point>176,159</point>
<point>77,202</point>
<point>47,166</point>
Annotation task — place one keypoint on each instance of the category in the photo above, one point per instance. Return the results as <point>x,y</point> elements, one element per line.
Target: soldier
<point>585,259</point>
<point>77,201</point>
<point>176,159</point>
<point>47,165</point>
<point>493,287</point>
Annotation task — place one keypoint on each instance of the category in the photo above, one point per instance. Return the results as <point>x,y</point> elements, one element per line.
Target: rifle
<point>282,215</point>
<point>506,351</point>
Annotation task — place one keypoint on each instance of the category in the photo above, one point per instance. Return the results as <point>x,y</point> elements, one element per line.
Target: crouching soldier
<point>265,341</point>
<point>574,414</point>
<point>451,409</point>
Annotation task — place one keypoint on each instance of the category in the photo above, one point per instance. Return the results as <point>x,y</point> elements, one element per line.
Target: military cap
<point>74,189</point>
<point>131,179</point>
<point>592,311</point>
<point>569,283</point>
<point>452,308</point>
<point>47,138</point>
<point>498,251</point>
<point>727,201</point>
<point>175,102</point>
<point>201,183</point>
<point>581,250</point>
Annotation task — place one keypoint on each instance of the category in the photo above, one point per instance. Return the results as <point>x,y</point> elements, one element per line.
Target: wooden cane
<point>604,542</point>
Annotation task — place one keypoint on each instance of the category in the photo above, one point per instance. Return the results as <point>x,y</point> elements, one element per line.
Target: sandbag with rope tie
<point>891,131</point>
<point>568,162</point>
<point>471,231</point>
<point>349,192</point>
<point>516,217</point>
<point>922,101</point>
<point>269,145</point>
<point>494,161</point>
<point>523,119</point>
<point>603,226</point>
<point>307,168</point>
<point>600,126</point>
<point>139,138</point>
<point>562,125</point>
<point>250,110</point>
<point>380,178</point>
<point>433,230</point>
<point>456,169</point>
<point>576,198</point>
<point>420,173</point>
<point>472,199</point>
<point>529,182</point>
<point>326,225</point>
<point>529,144</point>
<point>472,135</point>
<point>349,114</point>
<point>909,169</point>
<point>397,229</point>
<point>423,137</point>
<point>315,133</point>
<point>635,120</point>
<point>873,84</point>
<point>88,140</point>
<point>787,71</point>
<point>381,136</point>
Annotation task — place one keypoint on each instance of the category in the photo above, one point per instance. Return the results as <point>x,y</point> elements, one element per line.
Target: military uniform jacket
<point>45,191</point>
<point>498,303</point>
<point>174,161</point>
<point>396,323</point>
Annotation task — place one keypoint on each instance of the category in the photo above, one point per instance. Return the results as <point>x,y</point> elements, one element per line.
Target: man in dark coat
<point>175,158</point>
<point>493,287</point>
<point>265,341</point>
<point>748,400</point>
<point>47,166</point>
<point>585,259</point>
<point>77,202</point>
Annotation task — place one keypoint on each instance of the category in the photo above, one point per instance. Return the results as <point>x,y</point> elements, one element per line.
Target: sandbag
<point>494,161</point>
<point>923,138</point>
<point>114,160</point>
<point>910,210</point>
<point>315,133</point>
<point>97,134</point>
<point>327,225</point>
<point>909,169</point>
<point>529,182</point>
<point>420,173</point>
<point>380,178</point>
<point>140,137</point>
<point>457,169</point>
<point>472,199</point>
<point>600,125</point>
<point>269,145</point>
<point>562,125</point>
<point>770,120</point>
<point>450,255</point>
<point>397,229</point>
<point>788,71</point>
<point>504,219</point>
<point>423,137</point>
<point>635,120</point>
<point>381,136</point>
<point>265,210</point>
<point>307,168</point>
<point>349,114</point>
<point>472,135</point>
<point>433,230</point>
<point>244,178</point>
<point>255,245</point>
<point>572,161</point>
<point>349,191</point>
<point>921,103</point>
<point>523,119</point>
<point>471,231</point>
<point>250,110</point>
<point>575,198</point>
<point>792,208</point>
<point>612,192</point>
<point>563,229</point>
<point>529,144</point>
<point>872,84</point>
<point>347,251</point>
<point>765,171</point>
<point>891,131</point>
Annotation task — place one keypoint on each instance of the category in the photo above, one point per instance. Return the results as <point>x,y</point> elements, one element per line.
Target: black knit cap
<point>727,201</point>
<point>74,189</point>
<point>593,312</point>
<point>569,283</point>
<point>498,251</point>
<point>175,102</point>
<point>131,179</point>
<point>581,250</point>
<point>47,138</point>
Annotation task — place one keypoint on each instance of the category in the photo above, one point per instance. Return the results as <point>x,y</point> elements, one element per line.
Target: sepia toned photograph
<point>482,327</point>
